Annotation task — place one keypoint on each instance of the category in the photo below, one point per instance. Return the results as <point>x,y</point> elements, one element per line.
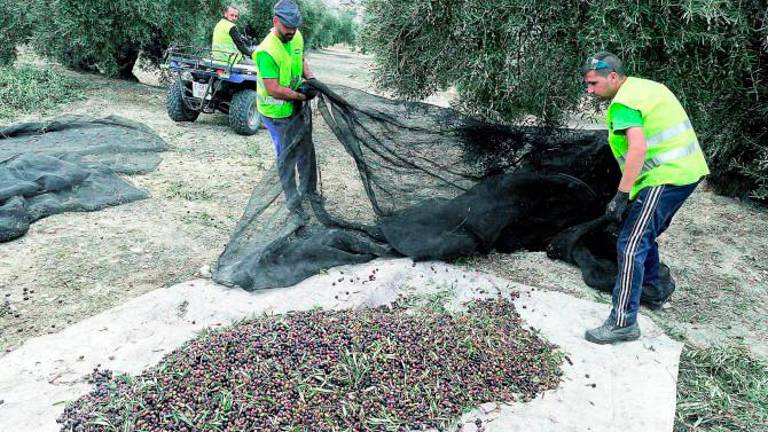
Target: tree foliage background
<point>519,61</point>
<point>322,26</point>
<point>14,26</point>
<point>107,36</point>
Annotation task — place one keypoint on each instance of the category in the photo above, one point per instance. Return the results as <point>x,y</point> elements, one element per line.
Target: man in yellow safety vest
<point>281,89</point>
<point>661,161</point>
<point>227,43</point>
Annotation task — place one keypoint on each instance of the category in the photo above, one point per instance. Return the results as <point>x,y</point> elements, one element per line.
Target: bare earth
<point>75,265</point>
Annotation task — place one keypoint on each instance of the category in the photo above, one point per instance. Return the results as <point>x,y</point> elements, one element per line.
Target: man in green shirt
<point>280,91</point>
<point>658,152</point>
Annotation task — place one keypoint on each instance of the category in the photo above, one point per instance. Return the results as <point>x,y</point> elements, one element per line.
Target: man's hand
<point>308,90</point>
<point>615,209</point>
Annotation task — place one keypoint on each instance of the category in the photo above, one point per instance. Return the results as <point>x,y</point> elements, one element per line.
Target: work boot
<point>609,333</point>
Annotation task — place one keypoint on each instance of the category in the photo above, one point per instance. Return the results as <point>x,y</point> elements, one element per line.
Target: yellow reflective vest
<point>290,62</point>
<point>222,45</point>
<point>673,153</point>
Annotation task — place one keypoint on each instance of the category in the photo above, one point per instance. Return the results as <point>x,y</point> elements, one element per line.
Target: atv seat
<point>236,67</point>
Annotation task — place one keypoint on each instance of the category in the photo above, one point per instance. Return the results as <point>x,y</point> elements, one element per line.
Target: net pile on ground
<point>70,163</point>
<point>408,366</point>
<point>423,182</point>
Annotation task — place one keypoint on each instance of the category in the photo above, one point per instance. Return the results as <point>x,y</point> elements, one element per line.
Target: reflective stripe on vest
<point>668,156</point>
<point>671,155</point>
<point>669,133</point>
<point>270,100</point>
<point>665,135</point>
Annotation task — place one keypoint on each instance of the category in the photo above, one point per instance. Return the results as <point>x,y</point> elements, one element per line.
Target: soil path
<point>73,266</point>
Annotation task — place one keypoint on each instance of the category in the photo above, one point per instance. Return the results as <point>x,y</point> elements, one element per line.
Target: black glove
<point>615,209</point>
<point>308,90</point>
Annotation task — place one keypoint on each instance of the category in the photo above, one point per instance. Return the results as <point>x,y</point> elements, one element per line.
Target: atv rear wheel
<point>174,104</point>
<point>244,118</point>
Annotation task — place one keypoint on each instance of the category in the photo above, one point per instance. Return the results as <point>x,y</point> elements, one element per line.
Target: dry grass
<point>721,389</point>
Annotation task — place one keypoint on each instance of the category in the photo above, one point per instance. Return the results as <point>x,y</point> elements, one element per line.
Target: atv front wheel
<point>174,104</point>
<point>243,116</point>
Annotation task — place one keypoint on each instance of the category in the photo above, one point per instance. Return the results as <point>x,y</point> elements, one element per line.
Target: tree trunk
<point>126,59</point>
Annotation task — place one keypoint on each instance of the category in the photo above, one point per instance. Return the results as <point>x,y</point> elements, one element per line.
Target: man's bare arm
<point>279,92</point>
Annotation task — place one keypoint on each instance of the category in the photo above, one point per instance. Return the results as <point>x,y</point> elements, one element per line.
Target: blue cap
<point>287,11</point>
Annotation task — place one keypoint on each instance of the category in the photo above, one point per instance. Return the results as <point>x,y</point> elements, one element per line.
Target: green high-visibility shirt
<point>624,118</point>
<point>267,65</point>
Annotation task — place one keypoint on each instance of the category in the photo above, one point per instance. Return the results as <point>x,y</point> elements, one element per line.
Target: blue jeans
<point>638,251</point>
<point>287,164</point>
<point>276,128</point>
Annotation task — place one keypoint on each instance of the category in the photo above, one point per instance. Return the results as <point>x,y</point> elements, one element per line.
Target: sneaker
<point>609,333</point>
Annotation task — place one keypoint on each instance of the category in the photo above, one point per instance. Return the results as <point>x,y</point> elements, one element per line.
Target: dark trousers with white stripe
<point>638,252</point>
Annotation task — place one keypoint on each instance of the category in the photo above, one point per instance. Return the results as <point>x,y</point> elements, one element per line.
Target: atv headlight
<point>186,76</point>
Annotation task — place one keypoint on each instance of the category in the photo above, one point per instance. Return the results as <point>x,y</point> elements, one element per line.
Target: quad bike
<point>204,85</point>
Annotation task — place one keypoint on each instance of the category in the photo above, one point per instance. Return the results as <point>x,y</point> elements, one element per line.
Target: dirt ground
<point>75,265</point>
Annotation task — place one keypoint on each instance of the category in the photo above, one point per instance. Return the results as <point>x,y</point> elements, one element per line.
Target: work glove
<point>615,209</point>
<point>308,90</point>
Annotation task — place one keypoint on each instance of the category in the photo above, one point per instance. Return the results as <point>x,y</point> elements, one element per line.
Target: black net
<point>395,178</point>
<point>70,164</point>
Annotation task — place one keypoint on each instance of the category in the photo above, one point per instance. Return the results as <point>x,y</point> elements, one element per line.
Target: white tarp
<point>627,387</point>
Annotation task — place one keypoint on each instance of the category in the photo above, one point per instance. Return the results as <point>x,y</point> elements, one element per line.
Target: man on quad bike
<point>228,41</point>
<point>281,65</point>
